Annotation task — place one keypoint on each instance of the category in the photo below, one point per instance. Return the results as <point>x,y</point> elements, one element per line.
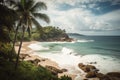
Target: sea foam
<point>37,47</point>
<point>67,58</point>
<point>84,40</point>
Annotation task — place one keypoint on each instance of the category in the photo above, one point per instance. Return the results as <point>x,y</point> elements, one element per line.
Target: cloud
<point>78,18</point>
<point>115,2</point>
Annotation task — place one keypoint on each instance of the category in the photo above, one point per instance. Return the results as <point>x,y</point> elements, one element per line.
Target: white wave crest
<point>37,47</point>
<point>83,40</point>
<point>66,51</point>
<point>66,58</point>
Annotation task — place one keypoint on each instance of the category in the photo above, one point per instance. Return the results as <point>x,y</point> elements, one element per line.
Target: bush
<point>36,36</point>
<point>25,71</point>
<point>65,78</point>
<point>5,50</point>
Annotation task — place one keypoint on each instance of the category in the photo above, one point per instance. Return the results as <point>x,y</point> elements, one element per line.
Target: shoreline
<point>48,62</point>
<point>25,50</point>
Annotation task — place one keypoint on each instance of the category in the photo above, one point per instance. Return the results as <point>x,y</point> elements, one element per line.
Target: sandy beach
<point>43,61</point>
<point>31,55</point>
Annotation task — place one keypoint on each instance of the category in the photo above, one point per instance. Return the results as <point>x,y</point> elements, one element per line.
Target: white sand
<point>26,50</point>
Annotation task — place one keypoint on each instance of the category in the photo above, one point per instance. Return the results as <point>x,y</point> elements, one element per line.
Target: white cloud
<point>79,19</point>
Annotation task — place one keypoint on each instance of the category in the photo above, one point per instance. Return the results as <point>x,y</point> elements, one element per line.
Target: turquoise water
<point>104,50</point>
<point>103,45</point>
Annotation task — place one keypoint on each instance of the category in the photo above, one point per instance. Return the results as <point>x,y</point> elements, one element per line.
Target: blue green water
<point>103,45</point>
<point>105,50</point>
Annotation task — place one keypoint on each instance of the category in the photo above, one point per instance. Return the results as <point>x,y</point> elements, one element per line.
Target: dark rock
<point>87,68</point>
<point>23,56</point>
<point>111,76</point>
<point>81,65</point>
<point>114,74</point>
<point>64,70</point>
<point>90,66</point>
<point>90,74</point>
<point>35,61</point>
<point>99,75</point>
<point>104,78</point>
<point>54,70</point>
<point>93,62</point>
<point>31,61</point>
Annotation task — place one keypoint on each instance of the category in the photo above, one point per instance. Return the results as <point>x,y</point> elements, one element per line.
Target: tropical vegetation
<point>49,33</point>
<point>27,11</point>
<point>17,18</point>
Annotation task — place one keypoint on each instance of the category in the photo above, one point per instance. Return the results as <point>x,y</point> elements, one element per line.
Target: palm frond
<point>38,6</point>
<point>29,4</point>
<point>22,2</point>
<point>20,7</point>
<point>42,16</point>
<point>36,23</point>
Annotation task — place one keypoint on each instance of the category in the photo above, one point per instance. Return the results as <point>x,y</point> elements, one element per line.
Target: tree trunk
<point>17,59</point>
<point>16,32</point>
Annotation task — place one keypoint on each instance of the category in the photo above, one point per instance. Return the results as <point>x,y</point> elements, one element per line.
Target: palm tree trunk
<point>16,32</point>
<point>17,59</point>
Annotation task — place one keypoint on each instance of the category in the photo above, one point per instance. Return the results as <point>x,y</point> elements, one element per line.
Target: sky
<point>88,17</point>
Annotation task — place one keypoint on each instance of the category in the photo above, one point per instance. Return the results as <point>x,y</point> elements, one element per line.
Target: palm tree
<point>27,11</point>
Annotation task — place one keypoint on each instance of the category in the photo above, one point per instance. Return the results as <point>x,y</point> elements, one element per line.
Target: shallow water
<point>105,51</point>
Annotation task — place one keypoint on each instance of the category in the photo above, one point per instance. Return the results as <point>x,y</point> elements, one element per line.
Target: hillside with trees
<point>17,18</point>
<point>50,33</point>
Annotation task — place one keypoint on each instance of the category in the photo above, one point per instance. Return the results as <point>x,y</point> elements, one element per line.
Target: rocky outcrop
<point>110,76</point>
<point>89,69</point>
<point>92,72</point>
<point>35,61</point>
<point>64,70</point>
<point>23,56</point>
<point>54,70</point>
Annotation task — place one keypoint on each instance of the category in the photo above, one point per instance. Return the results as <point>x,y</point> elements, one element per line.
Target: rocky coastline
<point>91,72</point>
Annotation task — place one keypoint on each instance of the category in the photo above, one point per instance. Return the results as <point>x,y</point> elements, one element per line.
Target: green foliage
<point>53,31</point>
<point>36,36</point>
<point>7,17</point>
<point>4,34</point>
<point>49,33</point>
<point>19,35</point>
<point>6,44</point>
<point>27,12</point>
<point>25,71</point>
<point>5,49</point>
<point>27,37</point>
<point>65,78</point>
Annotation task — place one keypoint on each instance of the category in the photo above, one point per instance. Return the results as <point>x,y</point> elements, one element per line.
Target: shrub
<point>25,71</point>
<point>65,78</point>
<point>36,36</point>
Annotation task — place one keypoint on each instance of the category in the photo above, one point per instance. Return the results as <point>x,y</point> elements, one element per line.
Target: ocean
<point>104,50</point>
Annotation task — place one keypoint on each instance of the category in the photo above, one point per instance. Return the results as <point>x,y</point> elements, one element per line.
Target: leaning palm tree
<point>27,11</point>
